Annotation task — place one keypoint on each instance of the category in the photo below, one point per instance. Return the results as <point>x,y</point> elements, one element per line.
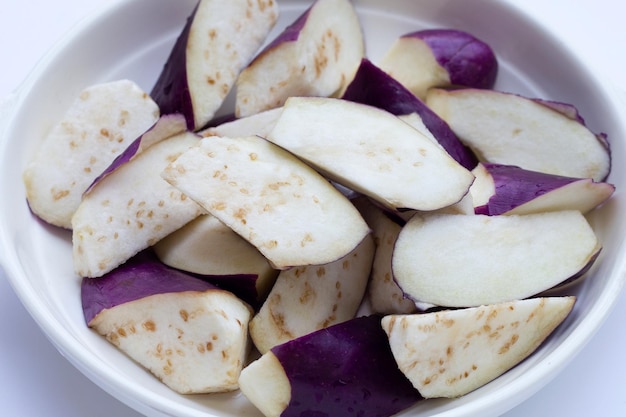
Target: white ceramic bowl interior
<point>131,39</point>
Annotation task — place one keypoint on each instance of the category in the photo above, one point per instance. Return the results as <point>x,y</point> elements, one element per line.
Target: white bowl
<point>132,38</point>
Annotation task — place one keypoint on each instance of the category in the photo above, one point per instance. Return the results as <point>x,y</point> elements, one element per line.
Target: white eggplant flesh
<point>194,342</point>
<point>317,55</point>
<point>453,352</point>
<point>265,384</point>
<point>383,293</point>
<point>454,260</point>
<point>367,150</point>
<point>217,43</point>
<point>510,129</point>
<point>130,209</point>
<point>309,298</point>
<point>412,62</point>
<point>288,211</point>
<point>97,127</point>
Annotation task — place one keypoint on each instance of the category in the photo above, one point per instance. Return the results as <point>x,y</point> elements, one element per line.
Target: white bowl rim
<point>95,368</point>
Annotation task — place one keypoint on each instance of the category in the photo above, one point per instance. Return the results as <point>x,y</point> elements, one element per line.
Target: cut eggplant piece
<point>456,260</point>
<point>102,121</point>
<point>510,129</point>
<point>504,189</point>
<point>289,212</point>
<point>345,369</point>
<point>309,298</point>
<point>440,58</point>
<point>453,352</point>
<point>258,124</point>
<point>190,334</point>
<point>372,86</point>
<point>207,247</point>
<point>131,207</point>
<point>218,41</point>
<point>383,293</point>
<point>368,149</point>
<point>317,55</point>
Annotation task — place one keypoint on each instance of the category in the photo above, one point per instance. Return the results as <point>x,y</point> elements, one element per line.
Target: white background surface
<point>35,380</point>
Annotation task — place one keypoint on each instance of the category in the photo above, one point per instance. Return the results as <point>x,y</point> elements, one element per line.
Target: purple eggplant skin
<point>515,186</point>
<point>468,60</point>
<point>171,90</point>
<point>345,370</point>
<point>374,87</point>
<point>141,276</point>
